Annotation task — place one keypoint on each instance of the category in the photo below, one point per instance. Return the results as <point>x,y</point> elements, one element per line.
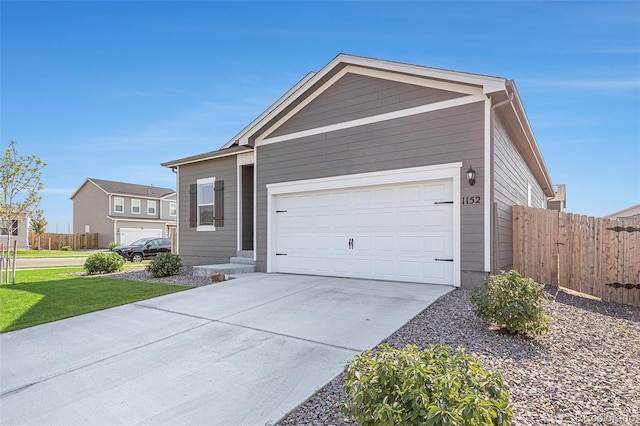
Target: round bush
<point>164,265</point>
<point>433,387</point>
<point>512,302</point>
<point>103,263</point>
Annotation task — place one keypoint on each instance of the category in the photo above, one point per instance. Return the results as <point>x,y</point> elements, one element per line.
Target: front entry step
<point>243,260</point>
<point>226,269</point>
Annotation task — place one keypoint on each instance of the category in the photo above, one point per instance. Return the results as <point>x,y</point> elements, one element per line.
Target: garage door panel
<point>397,232</point>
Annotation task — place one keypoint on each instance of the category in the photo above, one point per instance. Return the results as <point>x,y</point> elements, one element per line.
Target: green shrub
<point>512,302</point>
<point>65,248</point>
<point>429,387</point>
<point>103,263</point>
<point>164,265</point>
<point>113,245</point>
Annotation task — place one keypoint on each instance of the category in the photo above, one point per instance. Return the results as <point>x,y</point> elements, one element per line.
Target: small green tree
<point>20,186</point>
<point>38,224</point>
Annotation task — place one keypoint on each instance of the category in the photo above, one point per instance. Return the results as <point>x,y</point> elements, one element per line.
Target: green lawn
<point>45,295</point>
<point>26,254</point>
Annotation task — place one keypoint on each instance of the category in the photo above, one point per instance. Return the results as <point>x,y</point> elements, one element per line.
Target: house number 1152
<point>471,200</point>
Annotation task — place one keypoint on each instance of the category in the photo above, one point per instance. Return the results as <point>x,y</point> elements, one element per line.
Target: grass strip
<point>44,295</point>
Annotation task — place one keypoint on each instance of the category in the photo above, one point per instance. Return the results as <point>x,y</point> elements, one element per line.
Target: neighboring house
<point>360,170</point>
<point>628,213</point>
<point>123,212</point>
<point>19,232</point>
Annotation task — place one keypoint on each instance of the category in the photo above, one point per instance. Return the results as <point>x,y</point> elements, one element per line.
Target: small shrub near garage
<point>512,302</point>
<point>164,265</point>
<point>103,263</point>
<point>429,387</point>
<point>113,245</point>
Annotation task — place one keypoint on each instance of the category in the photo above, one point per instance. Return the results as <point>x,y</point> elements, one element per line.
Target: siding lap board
<point>356,96</point>
<point>209,247</point>
<point>425,139</point>
<point>511,176</point>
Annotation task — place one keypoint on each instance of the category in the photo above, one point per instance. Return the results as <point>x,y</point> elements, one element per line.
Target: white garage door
<point>397,232</point>
<point>129,235</point>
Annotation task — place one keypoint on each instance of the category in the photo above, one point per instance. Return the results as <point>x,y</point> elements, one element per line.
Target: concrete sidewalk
<point>37,262</point>
<point>241,352</point>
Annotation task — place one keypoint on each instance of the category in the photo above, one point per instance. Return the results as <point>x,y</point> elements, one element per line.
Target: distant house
<point>19,232</point>
<point>369,169</point>
<point>628,213</point>
<point>123,212</point>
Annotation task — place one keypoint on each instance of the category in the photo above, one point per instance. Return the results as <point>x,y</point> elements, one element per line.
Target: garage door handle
<point>443,202</point>
<point>444,260</point>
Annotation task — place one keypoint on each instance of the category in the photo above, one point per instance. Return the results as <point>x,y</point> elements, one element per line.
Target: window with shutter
<point>206,202</point>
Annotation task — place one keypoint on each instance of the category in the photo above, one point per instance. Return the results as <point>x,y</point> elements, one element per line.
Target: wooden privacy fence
<point>55,241</point>
<point>595,256</point>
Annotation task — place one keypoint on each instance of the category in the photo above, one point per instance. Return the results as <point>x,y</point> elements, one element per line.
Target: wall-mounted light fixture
<point>471,176</point>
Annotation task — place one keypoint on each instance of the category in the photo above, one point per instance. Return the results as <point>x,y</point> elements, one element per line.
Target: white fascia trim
<point>451,103</point>
<point>414,174</point>
<point>149,221</point>
<point>487,185</point>
<point>402,78</point>
<point>488,83</point>
<point>240,137</point>
<point>177,211</point>
<point>241,160</point>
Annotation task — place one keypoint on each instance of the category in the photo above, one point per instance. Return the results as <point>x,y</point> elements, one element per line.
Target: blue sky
<point>112,89</point>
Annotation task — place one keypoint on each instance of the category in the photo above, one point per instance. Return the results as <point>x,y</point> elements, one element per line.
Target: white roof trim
<point>83,184</point>
<point>486,83</point>
<point>254,123</point>
<point>450,103</point>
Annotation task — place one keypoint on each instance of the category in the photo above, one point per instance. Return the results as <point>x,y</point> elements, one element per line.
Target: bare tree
<point>20,185</point>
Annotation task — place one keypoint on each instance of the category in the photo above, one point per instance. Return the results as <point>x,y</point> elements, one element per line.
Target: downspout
<point>495,234</point>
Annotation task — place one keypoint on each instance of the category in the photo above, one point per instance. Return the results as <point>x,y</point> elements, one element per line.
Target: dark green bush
<point>103,263</point>
<point>429,387</point>
<point>512,302</point>
<point>164,265</point>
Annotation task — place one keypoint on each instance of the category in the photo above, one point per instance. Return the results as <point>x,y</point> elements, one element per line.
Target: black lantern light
<point>471,176</point>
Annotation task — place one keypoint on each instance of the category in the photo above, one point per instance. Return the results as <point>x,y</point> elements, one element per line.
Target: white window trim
<point>115,203</point>
<point>151,203</point>
<point>199,182</point>
<point>139,206</point>
<point>173,206</point>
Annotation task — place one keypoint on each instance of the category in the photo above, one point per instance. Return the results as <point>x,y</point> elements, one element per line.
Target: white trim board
<point>414,174</point>
<point>241,160</point>
<point>487,185</point>
<point>451,103</point>
<point>350,69</point>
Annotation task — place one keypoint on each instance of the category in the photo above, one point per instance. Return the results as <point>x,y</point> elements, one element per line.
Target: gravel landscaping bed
<point>586,371</point>
<point>184,277</point>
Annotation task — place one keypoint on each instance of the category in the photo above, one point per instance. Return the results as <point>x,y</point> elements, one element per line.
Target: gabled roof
<point>314,81</point>
<point>497,89</point>
<point>131,189</point>
<point>234,150</point>
<point>629,212</point>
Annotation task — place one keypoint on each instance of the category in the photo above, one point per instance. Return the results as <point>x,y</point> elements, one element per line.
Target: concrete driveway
<point>242,352</point>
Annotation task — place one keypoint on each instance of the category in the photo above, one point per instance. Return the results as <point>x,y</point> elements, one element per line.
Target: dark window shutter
<point>193,205</point>
<point>219,203</point>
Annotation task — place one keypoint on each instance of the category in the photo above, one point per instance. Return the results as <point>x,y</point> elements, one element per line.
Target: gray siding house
<point>361,170</point>
<point>123,212</point>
